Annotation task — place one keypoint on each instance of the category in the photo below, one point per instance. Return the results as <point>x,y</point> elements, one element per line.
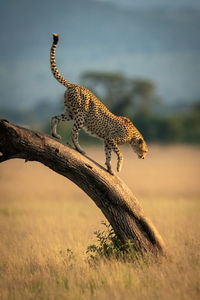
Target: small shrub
<point>109,246</point>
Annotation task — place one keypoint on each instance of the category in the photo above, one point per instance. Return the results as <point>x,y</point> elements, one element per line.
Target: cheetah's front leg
<point>119,156</point>
<point>55,120</point>
<point>108,158</point>
<point>109,146</point>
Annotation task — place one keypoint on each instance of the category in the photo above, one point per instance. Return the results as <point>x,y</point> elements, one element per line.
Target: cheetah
<point>90,114</point>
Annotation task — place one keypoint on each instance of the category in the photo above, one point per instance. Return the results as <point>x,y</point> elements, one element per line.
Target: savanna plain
<point>47,223</point>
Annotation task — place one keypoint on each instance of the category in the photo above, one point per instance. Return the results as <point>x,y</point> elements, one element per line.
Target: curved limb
<point>109,193</point>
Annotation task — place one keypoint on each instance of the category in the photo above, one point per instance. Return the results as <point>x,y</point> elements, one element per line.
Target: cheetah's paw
<point>110,171</point>
<point>57,136</point>
<point>81,151</point>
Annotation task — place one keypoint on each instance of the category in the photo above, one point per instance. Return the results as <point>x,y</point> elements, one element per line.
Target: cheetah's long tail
<point>54,69</point>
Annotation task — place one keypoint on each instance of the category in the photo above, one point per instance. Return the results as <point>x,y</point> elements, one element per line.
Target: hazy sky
<point>145,41</point>
<point>154,3</point>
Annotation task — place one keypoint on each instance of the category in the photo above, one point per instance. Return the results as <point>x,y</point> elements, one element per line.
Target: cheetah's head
<point>140,147</point>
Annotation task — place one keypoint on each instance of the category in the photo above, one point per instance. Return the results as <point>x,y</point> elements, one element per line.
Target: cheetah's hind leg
<point>55,120</point>
<point>78,124</point>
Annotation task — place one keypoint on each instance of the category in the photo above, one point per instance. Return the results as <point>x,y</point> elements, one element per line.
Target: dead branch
<point>110,193</point>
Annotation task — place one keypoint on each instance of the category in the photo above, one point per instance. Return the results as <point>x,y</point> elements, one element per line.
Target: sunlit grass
<point>47,223</point>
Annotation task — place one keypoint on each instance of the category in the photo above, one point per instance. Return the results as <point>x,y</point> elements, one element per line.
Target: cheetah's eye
<point>140,141</point>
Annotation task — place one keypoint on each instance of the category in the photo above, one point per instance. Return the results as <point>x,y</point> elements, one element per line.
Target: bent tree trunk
<point>110,193</point>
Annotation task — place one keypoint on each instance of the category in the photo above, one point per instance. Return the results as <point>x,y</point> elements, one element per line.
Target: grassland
<point>43,214</point>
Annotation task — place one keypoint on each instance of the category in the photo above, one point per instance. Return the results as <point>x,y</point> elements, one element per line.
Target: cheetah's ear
<point>140,141</point>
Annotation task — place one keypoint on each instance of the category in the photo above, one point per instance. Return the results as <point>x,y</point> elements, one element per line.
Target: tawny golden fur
<point>89,113</point>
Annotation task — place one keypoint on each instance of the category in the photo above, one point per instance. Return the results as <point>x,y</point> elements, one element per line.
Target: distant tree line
<point>137,99</point>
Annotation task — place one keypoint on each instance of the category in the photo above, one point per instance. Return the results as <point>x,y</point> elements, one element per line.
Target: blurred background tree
<point>122,95</point>
<point>135,98</point>
<point>154,44</point>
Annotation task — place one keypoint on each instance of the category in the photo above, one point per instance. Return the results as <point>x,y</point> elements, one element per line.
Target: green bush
<point>109,246</point>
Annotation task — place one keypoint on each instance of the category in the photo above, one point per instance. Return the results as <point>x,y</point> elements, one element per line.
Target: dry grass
<point>43,214</point>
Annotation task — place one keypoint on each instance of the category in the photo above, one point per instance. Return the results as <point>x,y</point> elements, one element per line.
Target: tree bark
<point>109,193</point>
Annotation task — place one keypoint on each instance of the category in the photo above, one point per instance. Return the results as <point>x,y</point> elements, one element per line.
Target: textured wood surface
<point>110,193</point>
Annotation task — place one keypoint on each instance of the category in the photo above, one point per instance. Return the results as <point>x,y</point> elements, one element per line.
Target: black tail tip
<point>55,38</point>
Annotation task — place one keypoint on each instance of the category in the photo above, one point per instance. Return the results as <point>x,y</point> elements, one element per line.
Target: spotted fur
<point>89,113</point>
